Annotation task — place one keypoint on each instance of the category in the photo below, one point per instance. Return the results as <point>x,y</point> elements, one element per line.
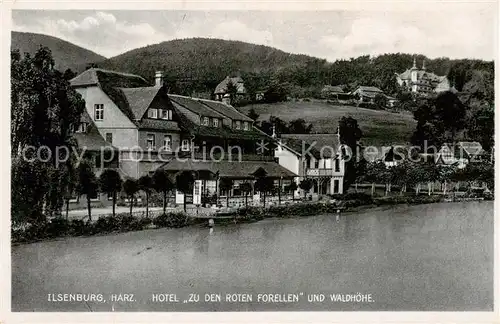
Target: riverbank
<point>123,222</point>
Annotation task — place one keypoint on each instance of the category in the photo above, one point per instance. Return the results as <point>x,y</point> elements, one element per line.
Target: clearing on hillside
<point>379,127</point>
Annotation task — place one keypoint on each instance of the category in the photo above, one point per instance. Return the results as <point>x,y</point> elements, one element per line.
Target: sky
<point>460,31</point>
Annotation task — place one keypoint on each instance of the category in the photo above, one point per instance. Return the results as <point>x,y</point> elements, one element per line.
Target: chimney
<point>158,78</point>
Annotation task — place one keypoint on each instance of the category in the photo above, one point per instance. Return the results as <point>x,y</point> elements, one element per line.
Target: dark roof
<point>369,89</point>
<point>224,109</point>
<point>96,76</point>
<point>319,145</point>
<point>230,169</point>
<point>332,89</point>
<point>195,106</point>
<point>221,88</point>
<point>158,124</point>
<point>139,99</point>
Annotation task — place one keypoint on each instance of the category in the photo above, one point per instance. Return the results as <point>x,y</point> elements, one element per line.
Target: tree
<point>69,183</point>
<point>43,108</point>
<point>482,128</point>
<point>145,183</point>
<point>226,184</point>
<point>184,182</point>
<point>306,185</point>
<point>246,188</point>
<point>376,172</point>
<point>232,91</point>
<point>252,114</point>
<point>350,134</point>
<point>130,187</point>
<point>87,183</point>
<point>69,74</point>
<point>299,126</point>
<point>439,120</point>
<point>291,188</point>
<point>162,183</point>
<point>264,184</point>
<point>111,182</point>
<point>380,100</point>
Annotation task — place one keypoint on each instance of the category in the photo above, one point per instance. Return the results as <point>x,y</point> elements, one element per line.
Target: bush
<point>171,220</point>
<point>57,227</point>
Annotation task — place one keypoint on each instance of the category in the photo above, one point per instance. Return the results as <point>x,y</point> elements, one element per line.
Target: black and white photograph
<point>240,160</point>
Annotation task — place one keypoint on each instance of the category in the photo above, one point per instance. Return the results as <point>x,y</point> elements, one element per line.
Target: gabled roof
<point>236,81</point>
<point>97,76</point>
<point>226,110</point>
<point>318,145</point>
<point>194,106</point>
<point>139,99</point>
<point>369,89</point>
<point>333,89</point>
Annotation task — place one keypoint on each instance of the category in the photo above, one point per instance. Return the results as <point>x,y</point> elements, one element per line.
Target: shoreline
<point>109,225</point>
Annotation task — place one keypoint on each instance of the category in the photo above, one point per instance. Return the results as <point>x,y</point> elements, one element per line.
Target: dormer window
<point>80,128</point>
<point>245,125</point>
<point>166,114</point>
<point>237,124</point>
<point>216,122</point>
<point>206,121</point>
<point>153,113</point>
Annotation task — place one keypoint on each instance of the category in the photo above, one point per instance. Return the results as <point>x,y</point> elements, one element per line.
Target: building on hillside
<point>421,81</point>
<point>366,94</point>
<point>221,91</point>
<point>152,128</point>
<point>332,92</point>
<point>391,155</point>
<point>460,154</point>
<point>319,157</point>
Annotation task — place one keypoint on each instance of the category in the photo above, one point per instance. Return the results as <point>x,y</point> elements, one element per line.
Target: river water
<point>432,257</point>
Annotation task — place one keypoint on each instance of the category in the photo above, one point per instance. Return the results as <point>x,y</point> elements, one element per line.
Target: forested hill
<point>65,54</point>
<point>201,63</point>
<point>205,59</point>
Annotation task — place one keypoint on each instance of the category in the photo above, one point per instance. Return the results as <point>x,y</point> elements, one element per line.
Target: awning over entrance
<point>231,169</point>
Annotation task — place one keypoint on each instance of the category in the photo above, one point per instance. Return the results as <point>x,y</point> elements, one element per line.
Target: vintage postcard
<point>249,162</point>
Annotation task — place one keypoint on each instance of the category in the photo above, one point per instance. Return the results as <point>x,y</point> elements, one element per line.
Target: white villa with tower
<point>421,81</point>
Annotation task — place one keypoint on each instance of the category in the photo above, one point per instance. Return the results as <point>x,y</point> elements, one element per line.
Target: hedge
<point>60,227</point>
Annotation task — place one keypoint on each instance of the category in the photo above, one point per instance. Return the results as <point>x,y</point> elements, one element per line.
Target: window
<point>336,186</point>
<point>152,113</point>
<point>245,125</point>
<point>150,141</point>
<point>166,114</point>
<point>337,165</point>
<point>79,128</point>
<point>167,142</point>
<point>109,138</point>
<point>206,121</point>
<point>316,164</point>
<point>82,128</point>
<point>216,122</point>
<point>185,145</point>
<point>237,124</point>
<point>98,111</point>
